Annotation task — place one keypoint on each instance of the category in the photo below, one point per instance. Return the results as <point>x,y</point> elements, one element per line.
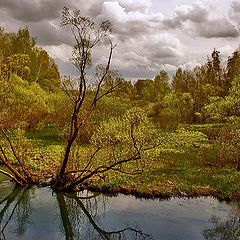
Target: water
<point>38,213</point>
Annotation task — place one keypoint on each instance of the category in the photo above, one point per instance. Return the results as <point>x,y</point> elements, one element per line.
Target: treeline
<point>20,55</point>
<point>32,93</point>
<point>28,78</point>
<point>208,93</point>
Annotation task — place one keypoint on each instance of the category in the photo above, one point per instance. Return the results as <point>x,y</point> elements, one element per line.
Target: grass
<point>181,177</point>
<point>184,170</point>
<point>46,137</point>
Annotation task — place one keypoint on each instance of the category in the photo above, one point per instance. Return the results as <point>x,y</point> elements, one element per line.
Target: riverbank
<point>179,168</point>
<point>165,187</point>
<point>184,176</point>
<point>222,184</point>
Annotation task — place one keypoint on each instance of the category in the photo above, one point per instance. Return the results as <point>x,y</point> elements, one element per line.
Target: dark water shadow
<point>77,211</point>
<point>79,216</point>
<point>223,229</point>
<point>16,209</point>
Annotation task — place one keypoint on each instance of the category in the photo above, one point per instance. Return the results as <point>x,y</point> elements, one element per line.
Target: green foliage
<point>59,106</point>
<point>221,109</point>
<point>126,138</point>
<point>24,106</point>
<point>132,130</point>
<point>107,108</point>
<point>19,55</point>
<point>31,155</point>
<point>229,141</point>
<point>152,90</point>
<point>211,130</point>
<point>176,108</point>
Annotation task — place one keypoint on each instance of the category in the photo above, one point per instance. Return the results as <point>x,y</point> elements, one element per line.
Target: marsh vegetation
<point>161,137</point>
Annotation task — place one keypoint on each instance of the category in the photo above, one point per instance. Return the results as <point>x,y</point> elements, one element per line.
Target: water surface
<point>38,213</point>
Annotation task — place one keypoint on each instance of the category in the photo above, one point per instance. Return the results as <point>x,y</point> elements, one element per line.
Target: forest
<point>177,136</point>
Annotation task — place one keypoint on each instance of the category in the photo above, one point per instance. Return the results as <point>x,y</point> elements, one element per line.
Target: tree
<point>83,96</point>
<point>19,55</point>
<point>220,109</point>
<point>144,89</point>
<point>229,141</point>
<point>161,82</point>
<point>87,36</point>
<point>22,104</point>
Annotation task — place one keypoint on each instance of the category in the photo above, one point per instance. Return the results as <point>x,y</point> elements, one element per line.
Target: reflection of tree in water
<point>15,211</point>
<point>223,230</point>
<point>80,216</point>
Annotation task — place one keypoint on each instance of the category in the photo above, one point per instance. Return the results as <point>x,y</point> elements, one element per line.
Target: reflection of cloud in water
<point>89,217</point>
<point>167,219</point>
<point>77,215</point>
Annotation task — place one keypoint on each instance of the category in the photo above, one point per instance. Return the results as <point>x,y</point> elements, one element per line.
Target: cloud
<point>217,28</point>
<point>49,33</point>
<point>94,7</point>
<point>141,45</point>
<point>168,67</point>
<point>126,20</point>
<point>147,40</point>
<point>197,13</point>
<point>136,5</point>
<point>196,20</point>
<point>226,50</point>
<point>234,14</point>
<point>34,10</point>
<point>190,65</point>
<point>62,52</point>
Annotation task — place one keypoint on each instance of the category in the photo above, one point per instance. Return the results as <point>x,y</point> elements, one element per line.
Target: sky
<point>151,35</point>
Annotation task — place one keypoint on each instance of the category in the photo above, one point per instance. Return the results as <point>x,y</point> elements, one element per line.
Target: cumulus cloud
<point>196,19</point>
<point>234,14</point>
<point>62,52</point>
<point>189,65</point>
<point>126,21</point>
<point>226,50</point>
<point>147,41</point>
<point>140,42</point>
<point>136,5</point>
<point>49,35</point>
<point>168,68</point>
<point>197,13</point>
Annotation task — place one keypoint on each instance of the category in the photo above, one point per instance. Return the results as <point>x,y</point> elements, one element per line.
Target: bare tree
<point>73,171</point>
<point>87,36</point>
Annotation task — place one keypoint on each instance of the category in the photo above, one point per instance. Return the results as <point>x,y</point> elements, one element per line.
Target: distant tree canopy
<point>19,55</point>
<point>117,118</point>
<point>207,93</point>
<point>28,80</point>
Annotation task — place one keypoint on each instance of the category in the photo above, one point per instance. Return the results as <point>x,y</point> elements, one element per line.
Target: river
<point>38,213</point>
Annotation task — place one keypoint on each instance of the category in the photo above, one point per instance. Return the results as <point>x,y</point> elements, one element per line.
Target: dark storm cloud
<point>234,14</point>
<point>50,35</point>
<point>42,17</point>
<point>34,10</point>
<point>235,6</point>
<point>218,28</point>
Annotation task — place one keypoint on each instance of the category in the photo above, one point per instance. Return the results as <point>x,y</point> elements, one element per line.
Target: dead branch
<point>23,167</point>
